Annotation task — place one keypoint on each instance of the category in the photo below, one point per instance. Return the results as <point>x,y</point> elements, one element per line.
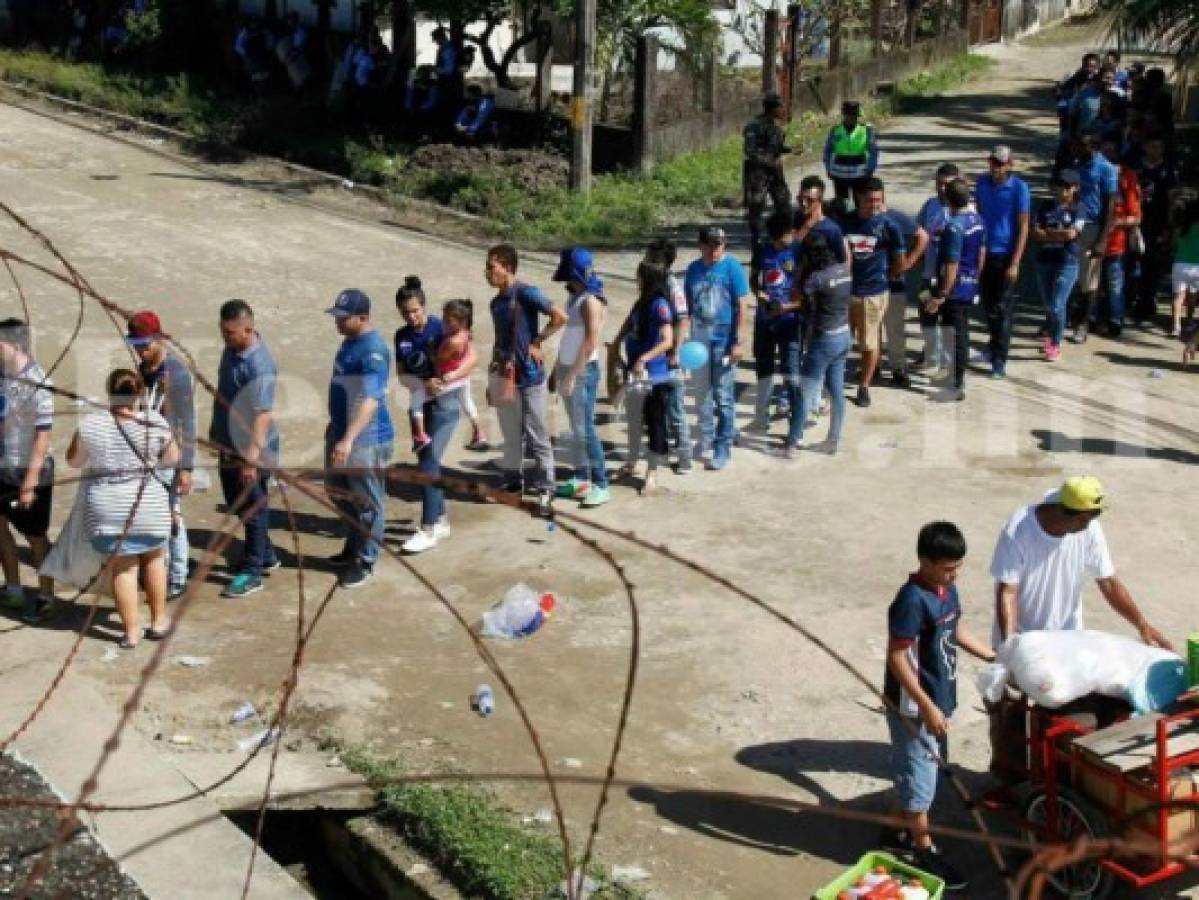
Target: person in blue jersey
<point>517,387</point>
<point>811,217</point>
<point>359,438</point>
<point>876,249</point>
<point>1005,205</point>
<point>915,242</point>
<point>924,631</point>
<point>960,260</point>
<point>718,309</point>
<point>1097,195</point>
<point>777,326</point>
<point>647,337</point>
<point>474,123</point>
<point>246,435</point>
<point>931,218</point>
<point>1059,223</point>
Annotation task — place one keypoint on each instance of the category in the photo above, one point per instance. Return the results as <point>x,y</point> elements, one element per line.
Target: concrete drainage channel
<point>343,855</point>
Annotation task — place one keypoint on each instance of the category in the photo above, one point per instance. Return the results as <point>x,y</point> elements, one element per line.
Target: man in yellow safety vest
<point>851,150</point>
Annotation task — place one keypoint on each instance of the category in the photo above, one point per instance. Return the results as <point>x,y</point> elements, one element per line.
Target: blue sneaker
<point>719,460</point>
<point>243,585</point>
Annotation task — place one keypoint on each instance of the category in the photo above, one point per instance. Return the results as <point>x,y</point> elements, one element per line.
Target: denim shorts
<point>912,762</point>
<point>130,545</point>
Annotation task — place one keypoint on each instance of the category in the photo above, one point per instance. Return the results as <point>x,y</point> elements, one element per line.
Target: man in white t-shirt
<point>1042,556</point>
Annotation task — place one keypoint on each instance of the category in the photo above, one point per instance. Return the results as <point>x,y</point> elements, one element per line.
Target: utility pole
<point>580,108</point>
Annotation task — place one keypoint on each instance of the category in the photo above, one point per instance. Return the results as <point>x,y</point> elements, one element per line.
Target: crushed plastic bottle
<point>483,700</point>
<point>521,613</point>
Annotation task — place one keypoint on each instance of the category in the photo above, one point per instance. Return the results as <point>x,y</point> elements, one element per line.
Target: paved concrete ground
<point>726,698</point>
<point>186,850</point>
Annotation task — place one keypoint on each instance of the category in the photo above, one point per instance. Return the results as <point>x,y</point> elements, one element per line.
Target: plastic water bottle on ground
<point>521,613</point>
<point>483,700</point>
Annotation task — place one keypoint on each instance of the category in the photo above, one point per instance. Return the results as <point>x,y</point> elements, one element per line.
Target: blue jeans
<point>250,503</point>
<point>676,415</point>
<point>823,366</point>
<point>580,410</point>
<point>913,765</point>
<point>1112,310</point>
<point>713,384</point>
<point>360,498</point>
<point>178,548</point>
<point>441,420</point>
<point>1057,281</point>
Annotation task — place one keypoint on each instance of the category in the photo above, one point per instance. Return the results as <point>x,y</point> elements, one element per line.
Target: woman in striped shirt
<point>126,507</point>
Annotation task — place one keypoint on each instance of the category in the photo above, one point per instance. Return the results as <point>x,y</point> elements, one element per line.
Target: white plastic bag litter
<point>1056,667</point>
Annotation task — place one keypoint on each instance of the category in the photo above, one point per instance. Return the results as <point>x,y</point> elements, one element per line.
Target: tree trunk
<point>403,39</point>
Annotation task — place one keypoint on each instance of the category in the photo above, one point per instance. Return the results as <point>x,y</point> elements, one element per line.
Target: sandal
<point>152,634</point>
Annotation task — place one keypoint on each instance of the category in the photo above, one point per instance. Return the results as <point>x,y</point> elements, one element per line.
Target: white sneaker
<point>420,542</point>
<point>441,530</point>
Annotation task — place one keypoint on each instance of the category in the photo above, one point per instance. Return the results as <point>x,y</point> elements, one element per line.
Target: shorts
<point>1089,268</point>
<point>870,311</point>
<point>1185,277</point>
<point>130,545</point>
<point>33,522</point>
<point>912,762</point>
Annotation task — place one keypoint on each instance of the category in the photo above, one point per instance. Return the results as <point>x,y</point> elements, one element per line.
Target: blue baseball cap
<point>350,302</point>
<point>577,264</point>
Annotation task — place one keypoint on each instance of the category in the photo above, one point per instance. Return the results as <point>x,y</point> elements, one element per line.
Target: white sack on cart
<point>1056,667</point>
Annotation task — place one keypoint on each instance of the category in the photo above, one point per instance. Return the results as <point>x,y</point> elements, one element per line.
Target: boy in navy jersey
<point>924,625</point>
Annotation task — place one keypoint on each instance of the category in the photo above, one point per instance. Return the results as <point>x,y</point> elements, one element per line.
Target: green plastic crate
<point>935,886</point>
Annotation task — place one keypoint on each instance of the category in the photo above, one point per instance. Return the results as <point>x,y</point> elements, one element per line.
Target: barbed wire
<point>1032,876</point>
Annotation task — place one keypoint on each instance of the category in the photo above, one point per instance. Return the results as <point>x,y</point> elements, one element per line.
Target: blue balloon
<point>692,355</point>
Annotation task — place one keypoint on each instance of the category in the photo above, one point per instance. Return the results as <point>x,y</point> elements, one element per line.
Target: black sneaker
<point>274,565</point>
<point>341,559</point>
<point>514,487</point>
<point>35,609</point>
<point>355,576</point>
<point>901,379</point>
<point>863,397</point>
<point>934,862</point>
<point>897,840</point>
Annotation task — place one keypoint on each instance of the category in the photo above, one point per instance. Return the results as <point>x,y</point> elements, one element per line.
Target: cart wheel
<point>1076,817</point>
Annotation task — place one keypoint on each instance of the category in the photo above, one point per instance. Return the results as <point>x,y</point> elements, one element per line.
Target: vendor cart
<point>1137,778</point>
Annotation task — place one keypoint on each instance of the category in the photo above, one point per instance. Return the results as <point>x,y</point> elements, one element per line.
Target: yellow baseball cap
<point>1082,493</point>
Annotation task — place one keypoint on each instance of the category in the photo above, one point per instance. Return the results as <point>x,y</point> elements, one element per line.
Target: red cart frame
<point>1052,761</point>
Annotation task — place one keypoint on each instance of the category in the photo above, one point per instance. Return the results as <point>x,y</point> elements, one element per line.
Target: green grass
<point>924,88</point>
<point>622,208</point>
<point>475,842</point>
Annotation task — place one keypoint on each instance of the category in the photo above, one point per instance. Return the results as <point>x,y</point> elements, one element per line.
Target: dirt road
<point>726,697</point>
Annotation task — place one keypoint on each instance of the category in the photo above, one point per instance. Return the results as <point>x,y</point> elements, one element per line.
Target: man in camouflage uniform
<point>763,178</point>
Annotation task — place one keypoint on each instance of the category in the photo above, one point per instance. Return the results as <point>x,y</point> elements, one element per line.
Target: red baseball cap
<point>144,327</point>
